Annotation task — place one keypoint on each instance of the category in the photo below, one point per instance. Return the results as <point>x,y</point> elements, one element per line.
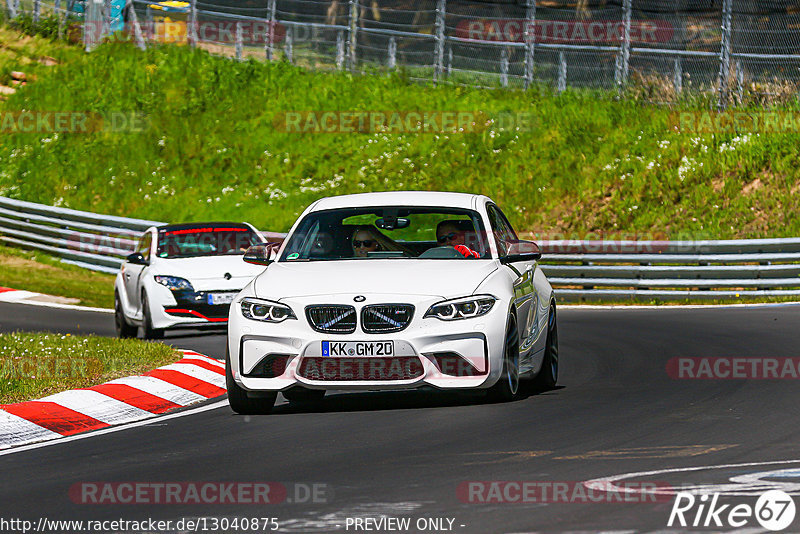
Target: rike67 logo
<point>774,510</point>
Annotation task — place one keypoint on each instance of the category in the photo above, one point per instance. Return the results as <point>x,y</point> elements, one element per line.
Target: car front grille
<point>383,318</point>
<point>372,368</point>
<point>334,319</point>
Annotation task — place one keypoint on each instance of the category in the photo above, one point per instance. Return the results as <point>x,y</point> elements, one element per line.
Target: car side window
<point>501,228</point>
<point>144,246</point>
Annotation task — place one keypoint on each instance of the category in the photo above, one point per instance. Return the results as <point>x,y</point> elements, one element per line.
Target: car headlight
<point>463,308</point>
<point>264,310</point>
<point>175,283</point>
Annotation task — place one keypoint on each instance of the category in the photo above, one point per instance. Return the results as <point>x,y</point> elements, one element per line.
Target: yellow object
<point>170,26</point>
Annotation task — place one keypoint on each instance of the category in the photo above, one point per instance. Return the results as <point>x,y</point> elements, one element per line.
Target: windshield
<point>204,241</point>
<point>388,232</point>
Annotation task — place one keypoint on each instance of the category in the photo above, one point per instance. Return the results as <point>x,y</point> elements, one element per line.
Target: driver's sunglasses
<point>368,243</point>
<point>446,237</point>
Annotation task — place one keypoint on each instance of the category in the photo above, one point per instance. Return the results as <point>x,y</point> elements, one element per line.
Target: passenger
<point>364,240</point>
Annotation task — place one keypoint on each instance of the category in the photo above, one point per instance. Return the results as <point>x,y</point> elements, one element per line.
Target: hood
<point>207,268</point>
<point>440,278</point>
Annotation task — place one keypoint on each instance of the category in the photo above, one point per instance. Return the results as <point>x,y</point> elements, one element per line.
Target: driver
<point>453,233</point>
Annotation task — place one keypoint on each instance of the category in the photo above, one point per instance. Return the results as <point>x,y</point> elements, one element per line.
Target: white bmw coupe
<point>183,276</point>
<point>392,290</point>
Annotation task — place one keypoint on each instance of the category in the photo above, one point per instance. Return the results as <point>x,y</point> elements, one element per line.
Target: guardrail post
<point>677,76</point>
<point>37,10</point>
<point>193,23</point>
<point>352,28</point>
<point>438,65</point>
<point>562,72</point>
<point>623,60</point>
<point>269,46</point>
<point>392,62</point>
<point>340,47</point>
<point>503,67</point>
<point>530,40</point>
<point>238,43</point>
<point>725,54</point>
<point>137,29</point>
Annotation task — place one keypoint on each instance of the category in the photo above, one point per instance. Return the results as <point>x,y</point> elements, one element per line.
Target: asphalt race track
<point>406,454</point>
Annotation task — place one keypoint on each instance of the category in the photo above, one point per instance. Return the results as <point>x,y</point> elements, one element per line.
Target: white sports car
<point>183,276</point>
<point>392,290</point>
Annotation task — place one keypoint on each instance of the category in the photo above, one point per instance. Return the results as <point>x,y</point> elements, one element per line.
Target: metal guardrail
<point>90,240</point>
<point>580,270</point>
<point>673,270</point>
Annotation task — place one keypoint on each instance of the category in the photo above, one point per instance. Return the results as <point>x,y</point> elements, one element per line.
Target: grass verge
<point>213,148</point>
<point>34,365</point>
<point>35,271</point>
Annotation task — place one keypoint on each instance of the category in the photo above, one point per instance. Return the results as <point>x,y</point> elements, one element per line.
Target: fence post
<point>149,25</point>
<point>193,23</point>
<point>288,49</point>
<point>725,54</point>
<point>237,42</point>
<point>270,44</point>
<point>92,20</point>
<point>623,62</point>
<point>61,18</point>
<point>106,19</point>
<point>449,66</point>
<point>441,7</point>
<point>392,53</point>
<point>739,81</point>
<point>137,29</point>
<point>530,40</point>
<point>503,67</point>
<point>353,33</point>
<point>677,78</point>
<point>37,9</point>
<point>562,72</point>
<point>340,50</point>
<point>12,9</point>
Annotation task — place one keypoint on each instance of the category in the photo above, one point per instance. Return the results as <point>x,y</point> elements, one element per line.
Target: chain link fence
<point>739,50</point>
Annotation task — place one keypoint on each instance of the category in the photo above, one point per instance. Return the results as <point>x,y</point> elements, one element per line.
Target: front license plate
<point>221,298</point>
<point>358,348</point>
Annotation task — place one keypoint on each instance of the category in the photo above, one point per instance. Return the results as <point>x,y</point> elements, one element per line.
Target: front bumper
<point>465,354</point>
<point>187,309</point>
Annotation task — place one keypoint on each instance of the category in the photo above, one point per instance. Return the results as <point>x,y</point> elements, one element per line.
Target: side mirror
<point>261,254</point>
<point>136,259</point>
<point>521,251</point>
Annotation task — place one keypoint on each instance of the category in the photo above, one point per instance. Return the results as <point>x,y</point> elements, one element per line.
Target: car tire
<point>508,387</point>
<point>301,395</point>
<point>124,330</point>
<point>239,399</point>
<point>147,322</point>
<point>548,375</point>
